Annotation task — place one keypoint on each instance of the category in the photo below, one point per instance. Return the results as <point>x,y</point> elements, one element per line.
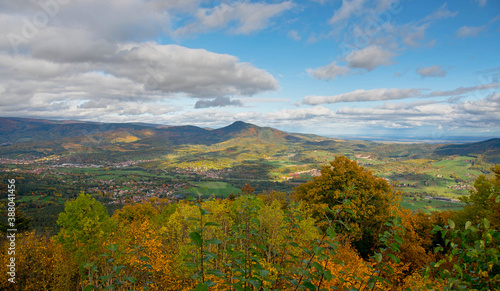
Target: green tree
<point>361,202</point>
<point>85,225</point>
<point>483,202</point>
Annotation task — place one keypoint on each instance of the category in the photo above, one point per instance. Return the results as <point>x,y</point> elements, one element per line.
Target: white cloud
<point>469,31</point>
<point>293,34</point>
<point>361,95</point>
<point>329,72</point>
<point>464,90</point>
<point>347,8</point>
<point>369,58</point>
<point>218,102</point>
<point>481,3</point>
<point>250,17</point>
<point>442,12</point>
<point>432,71</point>
<point>413,35</point>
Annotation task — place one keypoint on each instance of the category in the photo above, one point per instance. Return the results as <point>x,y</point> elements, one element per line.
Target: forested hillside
<point>341,230</point>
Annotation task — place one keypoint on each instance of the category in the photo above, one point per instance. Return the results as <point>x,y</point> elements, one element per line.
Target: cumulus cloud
<point>432,71</point>
<point>369,58</point>
<point>218,102</point>
<point>329,72</point>
<point>469,31</point>
<point>361,95</point>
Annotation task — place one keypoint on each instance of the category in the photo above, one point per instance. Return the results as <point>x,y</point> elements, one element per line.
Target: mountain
<point>18,130</point>
<point>491,146</point>
<point>20,136</point>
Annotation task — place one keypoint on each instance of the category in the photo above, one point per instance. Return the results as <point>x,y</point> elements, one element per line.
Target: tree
<point>85,224</point>
<point>483,202</point>
<point>247,189</point>
<point>360,202</point>
<point>22,222</point>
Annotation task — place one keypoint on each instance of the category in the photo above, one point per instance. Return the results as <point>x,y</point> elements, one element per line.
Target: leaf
<point>451,223</point>
<point>130,279</point>
<point>196,238</point>
<point>89,288</point>
<point>214,241</point>
<point>394,258</point>
<point>105,278</point>
<point>371,282</point>
<point>112,247</point>
<point>331,232</point>
<point>210,223</point>
<point>263,273</point>
<point>398,239</point>
<point>468,224</point>
<point>201,287</point>
<point>459,270</point>
<point>486,223</point>
<point>378,257</point>
<point>309,285</point>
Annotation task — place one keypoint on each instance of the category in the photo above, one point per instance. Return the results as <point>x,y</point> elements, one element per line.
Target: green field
<point>218,189</point>
<point>428,205</point>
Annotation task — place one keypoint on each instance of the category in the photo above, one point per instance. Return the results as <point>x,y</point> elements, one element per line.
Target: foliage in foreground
<point>266,243</point>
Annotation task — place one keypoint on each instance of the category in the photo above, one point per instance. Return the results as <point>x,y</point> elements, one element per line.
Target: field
<point>218,189</point>
<point>428,205</point>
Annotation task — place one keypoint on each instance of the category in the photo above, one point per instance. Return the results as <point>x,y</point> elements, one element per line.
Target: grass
<point>209,188</point>
<point>428,205</point>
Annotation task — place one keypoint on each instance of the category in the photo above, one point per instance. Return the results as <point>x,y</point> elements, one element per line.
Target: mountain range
<point>22,137</point>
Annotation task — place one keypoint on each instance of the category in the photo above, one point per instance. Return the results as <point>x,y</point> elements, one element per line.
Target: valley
<point>119,164</point>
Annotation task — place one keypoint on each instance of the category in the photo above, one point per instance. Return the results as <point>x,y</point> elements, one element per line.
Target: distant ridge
<point>491,146</point>
<point>24,130</point>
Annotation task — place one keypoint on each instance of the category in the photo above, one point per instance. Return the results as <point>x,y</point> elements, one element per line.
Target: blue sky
<point>387,67</point>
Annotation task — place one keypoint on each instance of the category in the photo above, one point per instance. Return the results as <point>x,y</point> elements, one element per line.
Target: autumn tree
<point>84,225</point>
<point>360,202</point>
<point>247,189</point>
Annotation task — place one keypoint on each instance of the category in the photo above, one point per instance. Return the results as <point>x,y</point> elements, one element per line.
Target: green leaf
<point>451,223</point>
<point>468,224</point>
<point>112,247</point>
<point>398,239</point>
<point>216,272</point>
<point>486,223</point>
<point>214,241</point>
<point>196,238</point>
<point>331,232</point>
<point>105,278</point>
<point>309,285</point>
<point>371,282</point>
<point>394,258</point>
<point>263,273</point>
<point>201,287</point>
<point>211,224</point>
<point>90,288</point>
<point>378,257</point>
<point>458,269</point>
<point>130,279</point>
